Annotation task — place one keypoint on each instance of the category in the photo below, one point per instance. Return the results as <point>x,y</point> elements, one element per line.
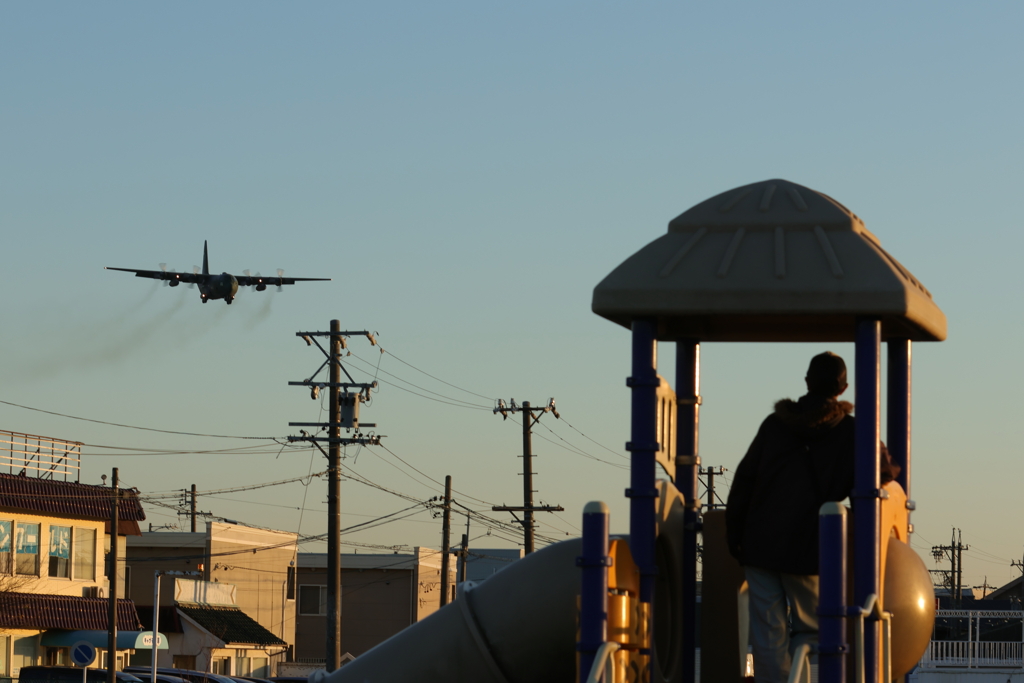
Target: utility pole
<point>112,575</point>
<point>343,412</point>
<point>446,539</point>
<point>464,557</point>
<point>710,473</point>
<point>193,508</point>
<point>1020,566</point>
<point>953,551</point>
<point>528,508</point>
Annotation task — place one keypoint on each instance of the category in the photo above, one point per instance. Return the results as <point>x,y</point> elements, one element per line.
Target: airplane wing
<point>162,274</point>
<point>270,281</point>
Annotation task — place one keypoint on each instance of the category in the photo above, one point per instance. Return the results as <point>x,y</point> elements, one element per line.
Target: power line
<point>468,404</point>
<point>145,429</point>
<point>383,350</point>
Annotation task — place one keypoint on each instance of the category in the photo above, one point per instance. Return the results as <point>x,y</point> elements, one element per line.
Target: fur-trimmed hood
<point>811,413</point>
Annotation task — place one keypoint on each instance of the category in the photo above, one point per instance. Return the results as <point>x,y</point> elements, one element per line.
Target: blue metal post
<point>865,496</point>
<point>687,466</point>
<point>642,446</point>
<point>832,646</point>
<point>593,585</point>
<point>898,408</point>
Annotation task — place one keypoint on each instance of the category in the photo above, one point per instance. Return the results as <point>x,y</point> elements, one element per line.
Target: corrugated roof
<point>230,624</point>
<point>42,611</point>
<point>67,498</point>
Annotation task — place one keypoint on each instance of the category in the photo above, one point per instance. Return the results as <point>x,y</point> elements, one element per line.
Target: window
<point>60,551</point>
<point>26,549</point>
<point>5,547</point>
<point>312,600</point>
<point>221,665</point>
<point>260,667</point>
<point>183,661</point>
<point>243,665</point>
<point>85,555</point>
<point>3,656</point>
<point>24,653</point>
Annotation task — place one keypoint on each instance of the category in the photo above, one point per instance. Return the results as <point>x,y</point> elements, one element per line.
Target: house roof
<point>769,261</point>
<point>68,498</point>
<point>43,611</point>
<point>229,623</point>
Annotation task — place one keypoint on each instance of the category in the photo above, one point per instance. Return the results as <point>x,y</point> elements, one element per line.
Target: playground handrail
<point>801,664</point>
<point>601,659</point>
<point>872,607</point>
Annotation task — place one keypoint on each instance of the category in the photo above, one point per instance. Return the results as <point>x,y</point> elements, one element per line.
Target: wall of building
<point>57,535</point>
<point>382,594</point>
<point>257,562</point>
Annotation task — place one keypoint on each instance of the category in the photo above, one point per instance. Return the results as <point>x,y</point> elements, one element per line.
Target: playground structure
<point>770,261</point>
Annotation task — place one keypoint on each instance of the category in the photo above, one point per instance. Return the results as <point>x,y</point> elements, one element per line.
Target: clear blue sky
<point>467,172</point>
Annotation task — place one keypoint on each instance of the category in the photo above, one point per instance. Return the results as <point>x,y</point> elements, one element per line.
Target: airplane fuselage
<point>223,286</point>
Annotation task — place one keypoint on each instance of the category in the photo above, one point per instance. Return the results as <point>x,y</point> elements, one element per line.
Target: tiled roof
<point>42,611</point>
<point>66,498</point>
<point>230,624</point>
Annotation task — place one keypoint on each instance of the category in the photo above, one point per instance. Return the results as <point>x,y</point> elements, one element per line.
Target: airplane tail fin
<point>206,260</point>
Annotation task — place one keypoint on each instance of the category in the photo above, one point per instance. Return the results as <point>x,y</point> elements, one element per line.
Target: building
<point>482,563</point>
<point>233,612</point>
<point>54,539</point>
<point>381,595</point>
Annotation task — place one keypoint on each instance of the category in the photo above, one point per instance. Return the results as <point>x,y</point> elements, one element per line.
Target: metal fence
<point>40,456</point>
<point>972,655</point>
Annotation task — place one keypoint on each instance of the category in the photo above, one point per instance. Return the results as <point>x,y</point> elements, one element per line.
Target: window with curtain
<point>26,549</point>
<point>60,551</point>
<point>84,551</point>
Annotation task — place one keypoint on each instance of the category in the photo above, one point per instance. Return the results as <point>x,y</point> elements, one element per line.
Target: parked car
<point>160,678</point>
<point>188,675</point>
<point>69,674</point>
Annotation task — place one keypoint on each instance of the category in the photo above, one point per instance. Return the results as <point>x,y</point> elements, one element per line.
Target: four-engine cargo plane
<point>223,286</point>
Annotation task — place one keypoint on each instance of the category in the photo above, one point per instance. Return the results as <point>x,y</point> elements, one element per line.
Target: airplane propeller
<point>195,270</point>
<point>280,274</point>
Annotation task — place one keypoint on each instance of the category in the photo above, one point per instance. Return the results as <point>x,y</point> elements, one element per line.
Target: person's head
<point>826,375</point>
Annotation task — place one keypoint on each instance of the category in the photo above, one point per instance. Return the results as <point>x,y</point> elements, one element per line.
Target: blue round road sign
<point>83,653</point>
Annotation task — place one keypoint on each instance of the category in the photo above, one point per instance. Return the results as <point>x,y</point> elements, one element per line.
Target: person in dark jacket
<point>802,456</point>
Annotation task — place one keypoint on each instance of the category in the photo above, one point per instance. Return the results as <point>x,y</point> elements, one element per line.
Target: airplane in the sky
<point>223,286</point>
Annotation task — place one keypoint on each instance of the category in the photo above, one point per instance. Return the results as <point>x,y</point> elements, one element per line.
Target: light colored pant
<point>783,615</point>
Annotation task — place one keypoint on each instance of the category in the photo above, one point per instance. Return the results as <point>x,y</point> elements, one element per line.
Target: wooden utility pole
<point>446,530</point>
<point>193,508</point>
<point>464,558</point>
<point>528,508</point>
<point>112,576</point>
<point>334,509</point>
<point>343,413</point>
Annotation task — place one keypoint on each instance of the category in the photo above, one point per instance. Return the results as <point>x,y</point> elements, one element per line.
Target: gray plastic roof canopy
<point>770,261</point>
